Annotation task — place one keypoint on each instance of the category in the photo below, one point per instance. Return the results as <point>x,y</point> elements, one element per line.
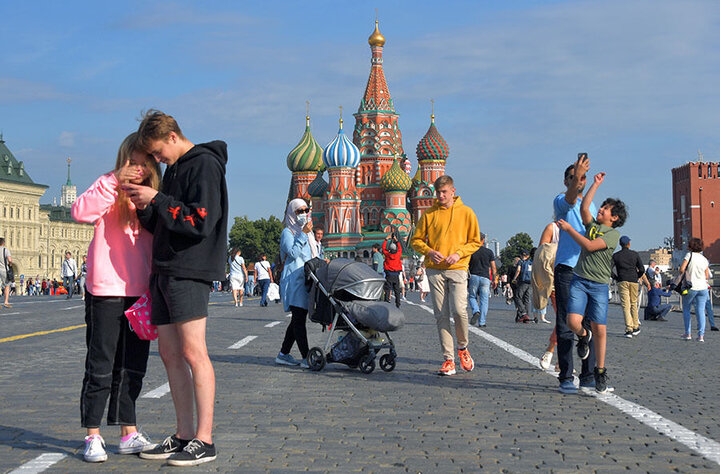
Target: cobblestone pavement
<point>506,415</point>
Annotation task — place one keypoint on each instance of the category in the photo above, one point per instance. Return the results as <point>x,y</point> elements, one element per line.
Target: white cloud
<point>66,139</point>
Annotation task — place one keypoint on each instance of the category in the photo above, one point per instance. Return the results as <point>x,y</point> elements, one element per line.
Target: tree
<point>514,247</point>
<point>254,238</point>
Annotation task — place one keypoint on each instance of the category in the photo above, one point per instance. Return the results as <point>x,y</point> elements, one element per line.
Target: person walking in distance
<point>188,219</point>
<point>392,252</point>
<point>629,269</point>
<point>697,272</point>
<point>4,267</point>
<point>263,277</point>
<point>68,271</point>
<point>447,235</point>
<point>238,276</point>
<point>83,275</point>
<point>523,279</point>
<point>118,274</point>
<point>482,274</point>
<point>566,206</point>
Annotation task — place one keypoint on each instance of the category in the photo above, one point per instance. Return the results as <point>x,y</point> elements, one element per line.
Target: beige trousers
<point>629,302</point>
<point>448,289</point>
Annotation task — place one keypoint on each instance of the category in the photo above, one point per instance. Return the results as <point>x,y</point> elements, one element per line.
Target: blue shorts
<point>589,299</point>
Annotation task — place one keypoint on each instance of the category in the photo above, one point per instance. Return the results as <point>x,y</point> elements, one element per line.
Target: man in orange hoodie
<point>448,234</point>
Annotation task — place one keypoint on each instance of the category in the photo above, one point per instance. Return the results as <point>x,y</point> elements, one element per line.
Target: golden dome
<point>376,39</point>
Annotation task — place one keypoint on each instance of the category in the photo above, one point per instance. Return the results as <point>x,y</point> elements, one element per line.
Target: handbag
<point>138,316</point>
<point>9,271</point>
<point>680,283</point>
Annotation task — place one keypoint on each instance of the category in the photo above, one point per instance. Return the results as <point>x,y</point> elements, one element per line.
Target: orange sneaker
<point>448,368</point>
<point>466,361</point>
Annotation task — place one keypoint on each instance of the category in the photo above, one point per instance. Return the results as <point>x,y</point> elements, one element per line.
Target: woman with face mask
<point>297,246</point>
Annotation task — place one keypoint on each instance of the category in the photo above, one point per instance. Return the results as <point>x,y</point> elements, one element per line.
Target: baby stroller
<point>344,295</point>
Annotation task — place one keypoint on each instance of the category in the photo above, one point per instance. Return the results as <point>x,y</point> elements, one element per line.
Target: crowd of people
<point>163,237</point>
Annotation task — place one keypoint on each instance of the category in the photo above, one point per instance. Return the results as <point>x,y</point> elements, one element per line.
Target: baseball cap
<point>624,240</point>
<point>525,252</point>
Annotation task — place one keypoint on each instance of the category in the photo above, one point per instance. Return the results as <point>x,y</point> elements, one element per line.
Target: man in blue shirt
<point>566,206</point>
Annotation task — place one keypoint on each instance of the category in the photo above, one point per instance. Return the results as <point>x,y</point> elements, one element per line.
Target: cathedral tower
<point>432,153</point>
<point>305,160</point>
<point>376,135</point>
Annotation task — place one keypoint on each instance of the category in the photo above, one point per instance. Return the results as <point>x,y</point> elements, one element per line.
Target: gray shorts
<point>175,300</point>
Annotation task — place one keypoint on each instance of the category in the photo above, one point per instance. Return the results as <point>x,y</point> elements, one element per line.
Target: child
<point>589,286</point>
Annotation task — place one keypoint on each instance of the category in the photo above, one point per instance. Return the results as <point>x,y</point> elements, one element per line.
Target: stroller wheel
<point>387,362</point>
<point>316,359</point>
<point>367,364</point>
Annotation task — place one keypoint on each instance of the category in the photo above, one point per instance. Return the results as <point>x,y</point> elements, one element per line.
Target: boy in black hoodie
<point>188,219</point>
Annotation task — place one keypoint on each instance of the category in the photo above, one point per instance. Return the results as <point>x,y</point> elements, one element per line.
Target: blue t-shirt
<point>568,250</point>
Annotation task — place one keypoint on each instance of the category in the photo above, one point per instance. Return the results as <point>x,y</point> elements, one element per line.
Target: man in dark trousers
<point>523,280</point>
<point>656,311</point>
<point>188,219</point>
<point>392,251</point>
<point>629,269</point>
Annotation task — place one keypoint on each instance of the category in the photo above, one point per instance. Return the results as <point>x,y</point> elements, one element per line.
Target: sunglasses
<point>302,211</point>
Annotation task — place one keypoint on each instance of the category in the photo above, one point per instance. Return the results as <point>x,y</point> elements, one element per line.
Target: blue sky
<point>520,88</point>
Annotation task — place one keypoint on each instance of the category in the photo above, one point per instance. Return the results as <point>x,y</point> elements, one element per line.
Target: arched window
<point>366,254</point>
<point>344,254</point>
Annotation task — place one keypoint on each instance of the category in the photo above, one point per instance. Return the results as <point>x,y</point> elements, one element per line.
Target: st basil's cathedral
<point>368,192</point>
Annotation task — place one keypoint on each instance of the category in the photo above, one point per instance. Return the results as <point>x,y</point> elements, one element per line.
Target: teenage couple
<point>169,239</point>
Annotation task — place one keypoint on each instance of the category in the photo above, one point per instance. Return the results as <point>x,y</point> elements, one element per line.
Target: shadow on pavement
<point>19,438</point>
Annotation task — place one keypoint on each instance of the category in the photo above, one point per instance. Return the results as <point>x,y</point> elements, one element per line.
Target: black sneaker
<point>196,452</point>
<point>636,332</point>
<point>601,385</point>
<point>629,334</point>
<point>164,450</point>
<point>714,328</point>
<point>474,319</point>
<point>583,345</point>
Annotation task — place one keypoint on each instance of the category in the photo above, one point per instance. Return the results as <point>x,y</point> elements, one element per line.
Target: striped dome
<point>307,155</point>
<point>318,186</point>
<point>395,179</point>
<point>432,146</point>
<point>341,152</point>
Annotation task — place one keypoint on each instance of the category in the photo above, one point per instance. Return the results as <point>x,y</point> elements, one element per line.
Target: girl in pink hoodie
<point>119,260</point>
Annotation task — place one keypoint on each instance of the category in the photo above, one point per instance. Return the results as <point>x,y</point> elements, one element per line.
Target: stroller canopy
<point>356,278</point>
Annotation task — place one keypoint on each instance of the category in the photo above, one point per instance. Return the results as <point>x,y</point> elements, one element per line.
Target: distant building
<point>37,235</point>
<point>663,257</point>
<point>696,197</point>
<point>370,190</point>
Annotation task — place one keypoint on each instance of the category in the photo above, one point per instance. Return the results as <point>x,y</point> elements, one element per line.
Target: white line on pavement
<point>71,307</point>
<point>242,342</point>
<point>272,324</point>
<point>39,464</point>
<point>706,447</point>
<point>158,392</point>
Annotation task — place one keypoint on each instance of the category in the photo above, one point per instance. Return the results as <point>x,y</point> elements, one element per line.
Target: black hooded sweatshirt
<point>188,219</point>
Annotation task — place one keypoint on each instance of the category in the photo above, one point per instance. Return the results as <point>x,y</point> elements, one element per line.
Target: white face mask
<point>302,219</point>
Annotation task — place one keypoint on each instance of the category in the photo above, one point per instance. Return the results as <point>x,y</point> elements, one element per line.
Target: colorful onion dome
<point>395,179</point>
<point>376,38</point>
<point>406,165</point>
<point>432,146</point>
<point>318,186</point>
<point>341,152</point>
<point>307,155</point>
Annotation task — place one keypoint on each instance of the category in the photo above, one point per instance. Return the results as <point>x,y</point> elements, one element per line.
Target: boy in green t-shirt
<point>589,286</point>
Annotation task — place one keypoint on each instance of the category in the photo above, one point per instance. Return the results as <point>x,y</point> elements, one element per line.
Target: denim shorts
<point>175,300</point>
<point>589,299</point>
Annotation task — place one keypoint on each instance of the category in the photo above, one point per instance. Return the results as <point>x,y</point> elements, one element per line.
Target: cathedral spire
<point>377,95</point>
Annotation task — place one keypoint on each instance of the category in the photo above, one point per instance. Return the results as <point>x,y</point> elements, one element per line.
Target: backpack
<point>525,270</point>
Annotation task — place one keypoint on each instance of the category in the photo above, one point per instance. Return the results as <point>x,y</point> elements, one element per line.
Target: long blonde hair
<point>127,147</point>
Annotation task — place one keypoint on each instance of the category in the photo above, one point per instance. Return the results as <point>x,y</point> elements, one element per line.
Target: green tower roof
<point>11,169</point>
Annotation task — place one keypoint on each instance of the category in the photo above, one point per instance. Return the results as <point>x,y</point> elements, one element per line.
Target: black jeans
<point>69,284</point>
<point>565,337</point>
<point>659,311</point>
<point>296,332</point>
<point>522,298</point>
<point>392,283</point>
<point>115,363</point>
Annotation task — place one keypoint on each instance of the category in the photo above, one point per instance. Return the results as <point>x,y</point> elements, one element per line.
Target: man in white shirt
<point>68,272</point>
<point>263,277</point>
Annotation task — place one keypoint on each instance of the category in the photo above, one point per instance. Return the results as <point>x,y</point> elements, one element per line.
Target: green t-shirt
<point>597,266</point>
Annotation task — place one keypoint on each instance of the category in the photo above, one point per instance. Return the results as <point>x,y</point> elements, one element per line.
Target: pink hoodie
<point>119,256</point>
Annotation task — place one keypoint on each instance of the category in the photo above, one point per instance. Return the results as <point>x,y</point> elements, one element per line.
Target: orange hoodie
<point>448,231</point>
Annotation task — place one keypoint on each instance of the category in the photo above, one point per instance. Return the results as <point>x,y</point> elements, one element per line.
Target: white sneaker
<point>94,449</point>
<point>236,305</point>
<point>241,305</point>
<point>546,360</point>
<point>138,443</point>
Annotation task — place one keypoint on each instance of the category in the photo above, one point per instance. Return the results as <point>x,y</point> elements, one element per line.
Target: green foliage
<point>513,248</point>
<point>254,238</point>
